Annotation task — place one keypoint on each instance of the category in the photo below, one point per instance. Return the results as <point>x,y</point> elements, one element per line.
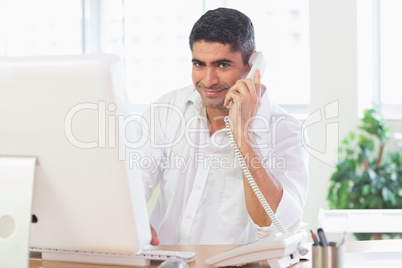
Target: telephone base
<point>279,250</point>
<point>285,261</point>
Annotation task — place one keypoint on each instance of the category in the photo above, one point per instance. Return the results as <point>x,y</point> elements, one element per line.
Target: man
<point>204,196</point>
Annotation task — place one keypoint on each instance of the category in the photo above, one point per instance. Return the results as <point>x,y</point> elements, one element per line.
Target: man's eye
<point>197,64</point>
<point>223,65</point>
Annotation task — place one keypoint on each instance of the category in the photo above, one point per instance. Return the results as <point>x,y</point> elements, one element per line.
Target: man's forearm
<point>270,189</point>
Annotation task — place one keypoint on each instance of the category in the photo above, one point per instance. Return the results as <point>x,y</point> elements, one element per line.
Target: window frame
<point>369,12</point>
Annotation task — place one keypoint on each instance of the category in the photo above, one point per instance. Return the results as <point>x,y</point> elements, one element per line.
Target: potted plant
<point>367,176</point>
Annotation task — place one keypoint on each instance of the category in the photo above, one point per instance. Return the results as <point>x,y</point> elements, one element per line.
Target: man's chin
<point>214,106</point>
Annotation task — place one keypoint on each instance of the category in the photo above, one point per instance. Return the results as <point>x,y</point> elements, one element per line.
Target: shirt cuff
<point>289,214</point>
<point>261,232</point>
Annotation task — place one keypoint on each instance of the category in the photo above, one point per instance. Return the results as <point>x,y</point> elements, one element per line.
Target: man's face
<point>215,70</point>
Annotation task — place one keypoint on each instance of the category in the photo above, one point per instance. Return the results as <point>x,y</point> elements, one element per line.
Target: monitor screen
<point>65,111</point>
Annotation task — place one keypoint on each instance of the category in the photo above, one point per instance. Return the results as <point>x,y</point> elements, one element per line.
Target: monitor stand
<point>16,189</point>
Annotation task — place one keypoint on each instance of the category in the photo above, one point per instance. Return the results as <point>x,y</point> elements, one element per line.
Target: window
<point>380,55</point>
<point>158,58</point>
<point>152,38</point>
<point>40,27</point>
<point>282,34</point>
<point>391,56</point>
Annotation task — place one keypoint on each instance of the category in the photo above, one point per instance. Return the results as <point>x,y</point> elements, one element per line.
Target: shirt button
<point>198,187</point>
<point>188,216</point>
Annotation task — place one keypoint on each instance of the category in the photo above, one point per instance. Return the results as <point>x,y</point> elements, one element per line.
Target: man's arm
<point>246,101</point>
<point>270,189</point>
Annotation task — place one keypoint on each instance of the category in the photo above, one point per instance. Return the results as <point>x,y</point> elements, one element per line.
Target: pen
<point>316,242</point>
<point>322,237</point>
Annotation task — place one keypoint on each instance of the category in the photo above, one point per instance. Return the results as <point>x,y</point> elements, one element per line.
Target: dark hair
<point>226,26</point>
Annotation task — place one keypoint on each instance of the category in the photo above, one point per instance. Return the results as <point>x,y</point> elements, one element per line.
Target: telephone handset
<point>281,249</point>
<point>256,62</point>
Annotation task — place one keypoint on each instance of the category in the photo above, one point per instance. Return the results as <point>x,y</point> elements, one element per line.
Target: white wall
<point>333,60</point>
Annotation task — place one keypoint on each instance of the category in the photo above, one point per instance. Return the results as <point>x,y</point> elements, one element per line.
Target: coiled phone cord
<point>300,249</point>
<point>250,179</point>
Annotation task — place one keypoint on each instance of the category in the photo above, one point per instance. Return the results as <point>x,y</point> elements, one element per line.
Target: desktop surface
<point>203,252</point>
<point>375,253</point>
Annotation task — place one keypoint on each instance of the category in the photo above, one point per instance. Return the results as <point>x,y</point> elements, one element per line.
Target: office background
<point>325,61</point>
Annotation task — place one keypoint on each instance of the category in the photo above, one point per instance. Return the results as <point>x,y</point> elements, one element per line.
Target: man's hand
<point>246,97</point>
<point>154,240</point>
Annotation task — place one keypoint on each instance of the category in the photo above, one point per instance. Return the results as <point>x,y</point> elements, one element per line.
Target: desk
<point>203,252</point>
<point>389,254</point>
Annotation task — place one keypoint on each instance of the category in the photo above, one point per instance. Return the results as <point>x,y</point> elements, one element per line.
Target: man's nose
<point>210,77</point>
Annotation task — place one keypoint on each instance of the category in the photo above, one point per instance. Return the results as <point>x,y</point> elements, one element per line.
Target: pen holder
<point>331,256</point>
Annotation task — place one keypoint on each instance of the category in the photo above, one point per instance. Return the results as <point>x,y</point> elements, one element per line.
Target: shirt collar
<point>196,100</point>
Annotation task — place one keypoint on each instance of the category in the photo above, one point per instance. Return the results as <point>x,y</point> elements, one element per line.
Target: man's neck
<point>216,119</point>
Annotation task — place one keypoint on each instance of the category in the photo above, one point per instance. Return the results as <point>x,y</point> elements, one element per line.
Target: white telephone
<point>281,249</point>
<point>256,62</point>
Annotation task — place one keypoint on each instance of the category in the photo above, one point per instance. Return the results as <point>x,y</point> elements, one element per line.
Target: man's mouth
<point>213,92</point>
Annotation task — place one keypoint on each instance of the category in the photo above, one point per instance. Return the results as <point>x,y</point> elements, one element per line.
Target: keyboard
<point>142,258</point>
<point>153,254</point>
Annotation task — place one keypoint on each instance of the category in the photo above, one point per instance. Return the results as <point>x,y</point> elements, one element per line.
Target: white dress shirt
<point>201,198</point>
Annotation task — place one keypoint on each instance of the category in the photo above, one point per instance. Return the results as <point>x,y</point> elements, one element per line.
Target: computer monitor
<point>65,111</point>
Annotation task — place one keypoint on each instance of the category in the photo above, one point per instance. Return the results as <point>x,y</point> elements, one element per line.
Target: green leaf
<point>399,161</point>
<point>366,143</point>
<point>366,189</point>
<point>392,198</point>
<point>330,196</point>
<point>374,123</point>
<point>399,192</point>
<point>386,193</point>
<point>363,236</point>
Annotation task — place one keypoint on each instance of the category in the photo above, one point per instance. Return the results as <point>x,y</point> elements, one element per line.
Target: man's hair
<point>226,26</point>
